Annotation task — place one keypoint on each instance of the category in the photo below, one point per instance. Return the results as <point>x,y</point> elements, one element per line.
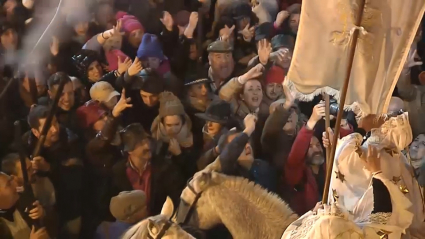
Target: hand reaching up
<point>264,50</point>
<point>135,67</point>
<point>226,32</point>
<point>253,73</point>
<point>122,104</point>
<point>249,122</point>
<point>123,65</point>
<point>167,20</point>
<point>248,33</point>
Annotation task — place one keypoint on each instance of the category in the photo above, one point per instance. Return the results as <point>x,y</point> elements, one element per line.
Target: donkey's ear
<point>153,228</point>
<point>168,208</point>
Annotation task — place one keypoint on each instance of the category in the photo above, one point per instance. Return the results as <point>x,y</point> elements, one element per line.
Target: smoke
<point>47,21</point>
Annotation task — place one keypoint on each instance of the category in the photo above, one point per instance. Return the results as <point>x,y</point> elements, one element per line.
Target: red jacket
<point>298,175</point>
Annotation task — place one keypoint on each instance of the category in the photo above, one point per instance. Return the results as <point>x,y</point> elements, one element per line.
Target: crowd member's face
<point>94,72</point>
<point>286,60</point>
<point>222,64</point>
<point>152,62</point>
<point>30,172</point>
<point>213,128</point>
<point>199,91</point>
<point>291,124</point>
<point>252,93</point>
<point>8,193</point>
<point>67,99</point>
<point>98,125</point>
<point>135,37</point>
<point>274,90</point>
<point>9,39</point>
<point>41,86</point>
<point>417,148</point>
<point>104,15</point>
<point>141,152</point>
<point>315,152</point>
<point>294,22</point>
<point>173,124</point>
<point>149,99</point>
<point>53,132</point>
<point>81,28</point>
<point>193,51</point>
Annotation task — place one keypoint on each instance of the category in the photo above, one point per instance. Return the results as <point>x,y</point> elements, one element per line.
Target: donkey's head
<point>158,227</point>
<point>193,209</point>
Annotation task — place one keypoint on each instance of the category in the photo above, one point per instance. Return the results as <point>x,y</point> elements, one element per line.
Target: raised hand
<point>135,67</point>
<point>249,122</point>
<point>289,98</point>
<point>123,65</point>
<point>167,20</point>
<point>248,32</point>
<point>281,17</point>
<point>411,62</point>
<point>115,31</point>
<point>373,159</point>
<point>264,50</point>
<point>37,212</point>
<point>226,32</point>
<point>193,21</point>
<point>318,113</point>
<point>54,46</point>
<point>253,73</point>
<point>122,104</point>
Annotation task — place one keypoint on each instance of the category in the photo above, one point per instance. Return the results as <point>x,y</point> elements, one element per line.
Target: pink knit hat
<point>112,58</point>
<point>129,22</point>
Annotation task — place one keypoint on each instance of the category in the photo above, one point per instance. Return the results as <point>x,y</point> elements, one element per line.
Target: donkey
<point>246,209</point>
<point>158,227</point>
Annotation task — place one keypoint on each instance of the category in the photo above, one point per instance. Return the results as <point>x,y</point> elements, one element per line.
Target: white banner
<point>324,37</point>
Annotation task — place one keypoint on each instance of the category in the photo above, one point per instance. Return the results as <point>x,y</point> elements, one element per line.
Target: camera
<point>333,107</point>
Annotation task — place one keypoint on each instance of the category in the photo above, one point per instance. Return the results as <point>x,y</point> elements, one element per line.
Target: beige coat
<point>230,93</point>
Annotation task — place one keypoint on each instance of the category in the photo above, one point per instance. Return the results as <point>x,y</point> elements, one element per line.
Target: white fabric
<point>355,193</point>
<point>324,37</point>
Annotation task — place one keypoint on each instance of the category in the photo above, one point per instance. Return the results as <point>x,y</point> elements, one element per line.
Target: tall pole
<point>327,125</point>
<point>342,101</point>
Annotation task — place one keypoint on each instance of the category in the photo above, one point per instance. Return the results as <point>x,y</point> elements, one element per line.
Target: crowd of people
<point>155,91</point>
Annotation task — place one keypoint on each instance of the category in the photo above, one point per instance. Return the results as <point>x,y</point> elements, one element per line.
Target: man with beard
<point>221,63</point>
<point>417,157</point>
<point>304,172</point>
<point>273,87</point>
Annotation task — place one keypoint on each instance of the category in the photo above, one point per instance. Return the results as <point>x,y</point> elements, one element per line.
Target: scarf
<point>184,137</point>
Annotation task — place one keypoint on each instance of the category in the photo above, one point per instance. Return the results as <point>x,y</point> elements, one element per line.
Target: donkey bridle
<point>184,219</point>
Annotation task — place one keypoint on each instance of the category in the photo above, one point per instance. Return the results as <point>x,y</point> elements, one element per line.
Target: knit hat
<point>102,91</point>
<point>150,47</point>
<point>129,22</point>
<point>132,135</point>
<point>148,81</point>
<point>169,104</point>
<point>89,113</point>
<point>276,74</point>
<point>112,58</point>
<point>281,40</point>
<point>127,203</point>
<point>83,59</point>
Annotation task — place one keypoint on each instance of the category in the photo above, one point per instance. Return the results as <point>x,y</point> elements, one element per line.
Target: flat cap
<point>127,203</point>
<point>220,47</point>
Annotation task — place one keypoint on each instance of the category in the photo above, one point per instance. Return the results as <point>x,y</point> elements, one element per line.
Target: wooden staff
<point>27,198</point>
<point>342,101</point>
<point>200,32</point>
<point>33,90</point>
<point>49,118</point>
<point>327,125</point>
